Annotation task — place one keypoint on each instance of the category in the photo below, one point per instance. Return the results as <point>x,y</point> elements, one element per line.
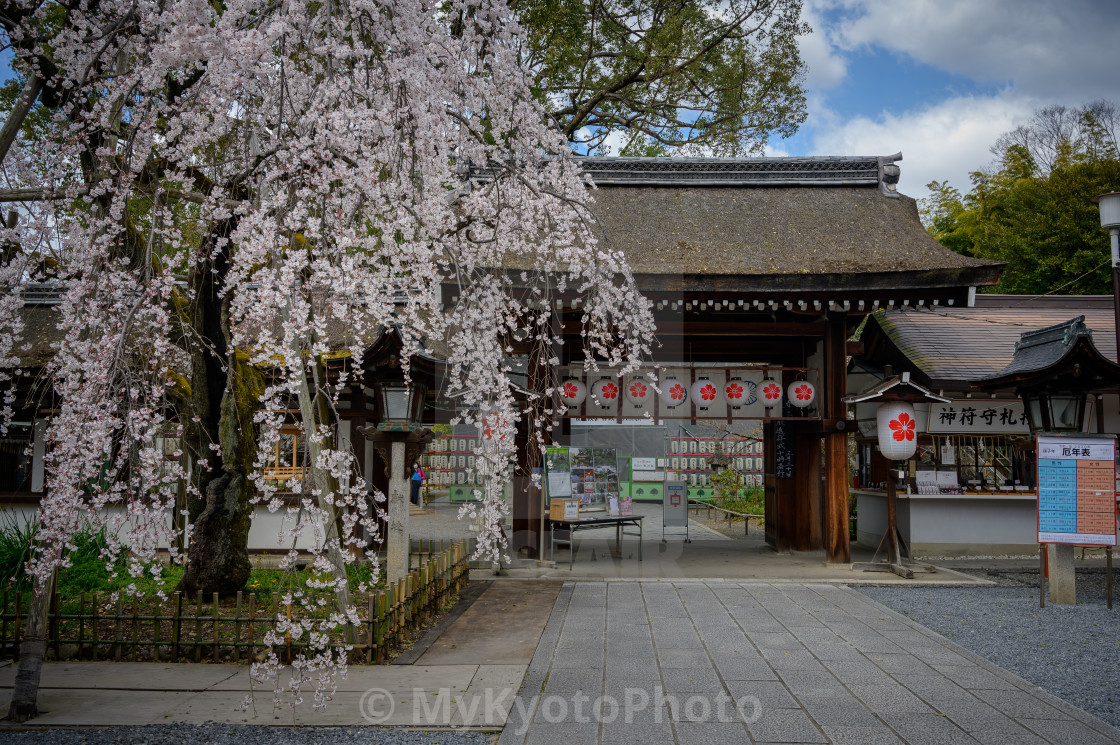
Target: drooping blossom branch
<point>328,151</point>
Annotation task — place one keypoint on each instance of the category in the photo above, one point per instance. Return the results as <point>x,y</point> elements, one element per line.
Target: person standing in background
<point>417,482</point>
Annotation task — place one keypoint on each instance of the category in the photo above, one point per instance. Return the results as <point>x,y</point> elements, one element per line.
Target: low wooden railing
<point>182,630</point>
<point>694,504</point>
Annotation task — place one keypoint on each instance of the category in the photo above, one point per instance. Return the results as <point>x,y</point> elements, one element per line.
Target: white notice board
<point>674,508</point>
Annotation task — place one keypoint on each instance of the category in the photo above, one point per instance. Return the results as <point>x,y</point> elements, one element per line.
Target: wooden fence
<point>179,629</point>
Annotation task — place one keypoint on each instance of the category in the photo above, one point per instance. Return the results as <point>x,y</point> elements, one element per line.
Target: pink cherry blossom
<point>334,170</point>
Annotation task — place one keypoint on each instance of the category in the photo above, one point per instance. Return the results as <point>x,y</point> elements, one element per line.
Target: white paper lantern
<point>605,392</point>
<point>673,392</point>
<point>572,392</point>
<point>770,392</point>
<point>638,391</point>
<point>705,394</point>
<point>898,430</point>
<point>740,393</point>
<point>801,393</point>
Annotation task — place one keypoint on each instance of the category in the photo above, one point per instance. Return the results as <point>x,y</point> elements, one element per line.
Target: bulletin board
<point>1077,489</point>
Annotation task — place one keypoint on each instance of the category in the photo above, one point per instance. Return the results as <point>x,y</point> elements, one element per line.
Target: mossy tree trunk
<point>223,400</point>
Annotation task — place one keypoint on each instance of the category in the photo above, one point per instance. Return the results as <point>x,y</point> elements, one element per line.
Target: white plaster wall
<point>952,524</point>
<point>263,534</point>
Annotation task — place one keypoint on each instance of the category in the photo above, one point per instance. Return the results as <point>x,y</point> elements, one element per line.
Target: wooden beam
<point>724,328</point>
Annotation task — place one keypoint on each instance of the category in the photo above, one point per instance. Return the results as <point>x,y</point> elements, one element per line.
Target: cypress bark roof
<point>769,231</point>
<point>772,224</point>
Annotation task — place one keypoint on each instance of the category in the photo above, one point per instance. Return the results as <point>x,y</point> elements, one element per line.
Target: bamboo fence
<point>180,629</point>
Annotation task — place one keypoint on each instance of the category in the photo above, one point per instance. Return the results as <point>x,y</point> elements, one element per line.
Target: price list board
<point>1077,490</point>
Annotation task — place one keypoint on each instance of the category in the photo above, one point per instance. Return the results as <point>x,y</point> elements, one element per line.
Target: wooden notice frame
<point>1076,489</point>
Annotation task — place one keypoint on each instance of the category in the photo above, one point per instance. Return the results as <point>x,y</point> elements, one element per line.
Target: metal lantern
<point>638,391</point>
<point>898,430</point>
<point>705,394</point>
<point>740,393</point>
<point>572,392</point>
<point>770,392</point>
<point>801,393</point>
<point>673,392</point>
<point>605,391</point>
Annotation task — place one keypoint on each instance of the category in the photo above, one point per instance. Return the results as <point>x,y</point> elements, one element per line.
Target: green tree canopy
<point>718,75</point>
<point>1033,209</point>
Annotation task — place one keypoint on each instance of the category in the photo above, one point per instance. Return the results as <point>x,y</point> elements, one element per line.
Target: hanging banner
<point>978,417</point>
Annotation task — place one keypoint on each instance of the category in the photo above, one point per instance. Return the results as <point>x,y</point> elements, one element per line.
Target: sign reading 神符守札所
<point>978,417</point>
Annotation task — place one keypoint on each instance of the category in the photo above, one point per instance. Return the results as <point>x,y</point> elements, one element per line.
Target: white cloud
<point>944,141</point>
<point>1045,49</point>
<point>827,68</point>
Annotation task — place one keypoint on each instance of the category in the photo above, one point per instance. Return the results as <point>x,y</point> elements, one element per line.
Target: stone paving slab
<point>115,693</point>
<point>729,662</point>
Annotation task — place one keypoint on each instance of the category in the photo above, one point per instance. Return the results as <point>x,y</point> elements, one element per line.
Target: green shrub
<point>16,543</point>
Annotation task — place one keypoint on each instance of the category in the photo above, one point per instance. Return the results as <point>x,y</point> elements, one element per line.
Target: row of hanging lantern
<point>705,393</point>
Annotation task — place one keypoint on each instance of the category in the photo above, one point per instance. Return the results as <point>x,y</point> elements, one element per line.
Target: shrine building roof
<point>772,225</point>
<point>950,348</point>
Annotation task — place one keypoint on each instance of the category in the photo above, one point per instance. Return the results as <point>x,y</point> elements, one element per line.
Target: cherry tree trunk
<point>225,391</point>
<point>25,693</point>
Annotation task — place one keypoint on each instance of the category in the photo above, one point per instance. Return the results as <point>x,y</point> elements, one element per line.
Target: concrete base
<point>1061,577</point>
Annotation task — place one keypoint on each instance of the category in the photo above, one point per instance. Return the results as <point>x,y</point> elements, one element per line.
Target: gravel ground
<point>1072,651</point>
<point>228,734</point>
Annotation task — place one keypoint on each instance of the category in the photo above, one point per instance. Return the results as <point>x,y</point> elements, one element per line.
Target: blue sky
<point>940,80</point>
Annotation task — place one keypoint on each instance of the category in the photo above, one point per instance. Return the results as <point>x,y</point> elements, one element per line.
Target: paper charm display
<point>705,394</point>
<point>605,392</point>
<point>801,393</point>
<point>572,392</point>
<point>770,392</point>
<point>673,392</point>
<point>638,391</point>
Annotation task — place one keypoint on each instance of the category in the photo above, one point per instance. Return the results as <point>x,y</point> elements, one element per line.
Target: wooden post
<point>837,541</point>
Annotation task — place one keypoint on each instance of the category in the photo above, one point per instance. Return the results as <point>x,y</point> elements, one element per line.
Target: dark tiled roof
<point>1042,348</point>
<point>961,345</point>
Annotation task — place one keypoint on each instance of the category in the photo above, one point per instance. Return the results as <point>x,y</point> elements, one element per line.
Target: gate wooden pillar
<point>836,538</point>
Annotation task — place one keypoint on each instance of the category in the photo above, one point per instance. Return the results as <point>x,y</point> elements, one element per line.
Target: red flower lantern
<point>898,430</point>
<point>638,391</point>
<point>605,392</point>
<point>740,393</point>
<point>705,394</point>
<point>572,392</point>
<point>674,392</point>
<point>770,392</point>
<point>801,393</point>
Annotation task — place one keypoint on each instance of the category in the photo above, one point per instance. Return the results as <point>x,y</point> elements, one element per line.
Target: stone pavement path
<point>729,662</point>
